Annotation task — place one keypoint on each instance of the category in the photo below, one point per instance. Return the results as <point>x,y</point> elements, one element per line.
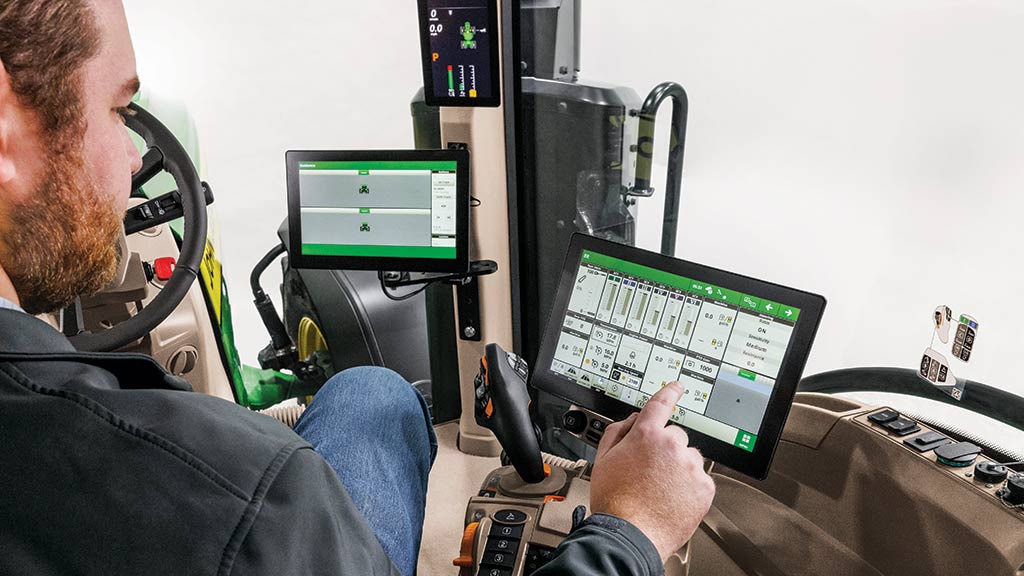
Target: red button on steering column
<point>164,267</point>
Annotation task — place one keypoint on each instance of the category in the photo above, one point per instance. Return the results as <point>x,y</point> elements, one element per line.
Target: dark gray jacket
<point>111,467</point>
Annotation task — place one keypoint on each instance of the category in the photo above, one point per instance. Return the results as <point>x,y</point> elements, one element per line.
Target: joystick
<point>503,407</point>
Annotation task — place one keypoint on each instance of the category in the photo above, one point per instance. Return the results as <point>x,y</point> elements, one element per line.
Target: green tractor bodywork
<point>253,387</point>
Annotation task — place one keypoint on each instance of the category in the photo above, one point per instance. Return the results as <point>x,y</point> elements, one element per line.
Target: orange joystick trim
<point>465,558</point>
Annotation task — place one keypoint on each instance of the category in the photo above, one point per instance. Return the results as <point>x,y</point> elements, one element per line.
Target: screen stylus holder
<point>467,291</point>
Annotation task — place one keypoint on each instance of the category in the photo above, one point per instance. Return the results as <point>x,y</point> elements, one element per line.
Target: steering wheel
<point>164,153</point>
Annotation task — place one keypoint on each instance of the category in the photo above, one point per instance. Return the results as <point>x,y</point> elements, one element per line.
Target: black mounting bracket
<point>467,292</point>
<point>468,296</point>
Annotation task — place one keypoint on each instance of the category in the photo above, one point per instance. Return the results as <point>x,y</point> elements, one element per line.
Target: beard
<point>62,242</point>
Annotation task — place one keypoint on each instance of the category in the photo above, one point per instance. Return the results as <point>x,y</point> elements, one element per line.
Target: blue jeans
<point>374,429</point>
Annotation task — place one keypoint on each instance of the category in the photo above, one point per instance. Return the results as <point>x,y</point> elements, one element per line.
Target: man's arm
<point>649,493</point>
<point>605,544</point>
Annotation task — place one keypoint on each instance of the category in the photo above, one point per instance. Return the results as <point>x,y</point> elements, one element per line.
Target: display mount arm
<point>405,279</point>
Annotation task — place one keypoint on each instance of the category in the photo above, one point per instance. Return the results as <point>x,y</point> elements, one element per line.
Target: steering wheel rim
<point>164,153</point>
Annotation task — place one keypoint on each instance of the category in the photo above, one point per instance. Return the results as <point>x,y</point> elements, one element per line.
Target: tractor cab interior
<point>495,267</point>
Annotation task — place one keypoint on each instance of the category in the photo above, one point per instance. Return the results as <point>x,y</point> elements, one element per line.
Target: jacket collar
<point>20,332</point>
<point>25,338</point>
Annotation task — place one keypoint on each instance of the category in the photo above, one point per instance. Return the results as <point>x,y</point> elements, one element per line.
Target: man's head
<point>67,74</point>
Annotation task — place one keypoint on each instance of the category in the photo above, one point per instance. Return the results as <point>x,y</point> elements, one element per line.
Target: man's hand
<point>646,474</point>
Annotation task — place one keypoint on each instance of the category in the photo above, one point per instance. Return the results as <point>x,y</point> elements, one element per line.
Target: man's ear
<point>8,107</point>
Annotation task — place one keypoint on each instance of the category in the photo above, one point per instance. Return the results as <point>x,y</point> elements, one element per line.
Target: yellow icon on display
<point>472,93</point>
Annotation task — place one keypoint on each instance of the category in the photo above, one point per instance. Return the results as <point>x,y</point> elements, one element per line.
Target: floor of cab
<point>454,479</point>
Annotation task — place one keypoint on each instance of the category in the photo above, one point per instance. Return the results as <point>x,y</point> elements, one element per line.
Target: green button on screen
<point>745,440</point>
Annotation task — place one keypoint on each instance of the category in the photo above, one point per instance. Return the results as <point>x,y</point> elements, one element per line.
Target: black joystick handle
<point>503,407</point>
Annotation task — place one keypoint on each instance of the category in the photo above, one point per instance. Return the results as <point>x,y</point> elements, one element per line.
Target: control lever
<point>159,210</point>
<point>503,407</point>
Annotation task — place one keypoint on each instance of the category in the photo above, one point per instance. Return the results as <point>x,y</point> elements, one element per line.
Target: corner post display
<point>464,75</point>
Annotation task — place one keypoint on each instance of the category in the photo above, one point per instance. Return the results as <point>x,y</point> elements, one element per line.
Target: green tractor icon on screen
<point>468,32</point>
<point>365,227</point>
<point>364,189</point>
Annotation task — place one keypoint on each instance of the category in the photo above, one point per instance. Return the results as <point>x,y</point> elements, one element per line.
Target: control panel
<point>584,424</point>
<point>513,527</point>
<point>963,460</point>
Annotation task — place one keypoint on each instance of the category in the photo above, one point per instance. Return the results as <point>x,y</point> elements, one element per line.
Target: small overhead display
<point>460,52</point>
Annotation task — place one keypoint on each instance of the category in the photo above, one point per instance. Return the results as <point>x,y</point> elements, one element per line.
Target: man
<point>112,471</point>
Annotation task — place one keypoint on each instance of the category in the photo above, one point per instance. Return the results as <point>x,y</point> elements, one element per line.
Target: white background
<point>867,150</point>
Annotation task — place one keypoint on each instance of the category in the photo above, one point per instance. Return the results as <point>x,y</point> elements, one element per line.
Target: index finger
<point>659,408</point>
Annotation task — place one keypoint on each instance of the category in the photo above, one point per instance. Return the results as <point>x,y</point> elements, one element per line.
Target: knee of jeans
<point>381,392</point>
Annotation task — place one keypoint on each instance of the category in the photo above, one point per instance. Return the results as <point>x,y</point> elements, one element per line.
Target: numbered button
<point>502,545</point>
<point>499,559</point>
<point>491,571</point>
<point>510,517</point>
<point>506,532</point>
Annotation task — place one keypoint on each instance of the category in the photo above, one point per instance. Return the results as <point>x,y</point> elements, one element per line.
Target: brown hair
<point>43,46</point>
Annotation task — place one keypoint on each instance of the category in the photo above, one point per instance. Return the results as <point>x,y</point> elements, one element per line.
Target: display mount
<point>467,292</point>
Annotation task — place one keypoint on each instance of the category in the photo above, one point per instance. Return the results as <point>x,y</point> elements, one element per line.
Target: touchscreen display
<point>629,330</point>
<point>460,40</point>
<point>379,209</point>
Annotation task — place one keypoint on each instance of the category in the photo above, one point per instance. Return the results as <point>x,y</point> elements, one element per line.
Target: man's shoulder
<point>84,403</point>
<point>154,481</point>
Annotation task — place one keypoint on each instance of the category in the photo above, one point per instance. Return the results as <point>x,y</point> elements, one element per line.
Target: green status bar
<point>743,301</point>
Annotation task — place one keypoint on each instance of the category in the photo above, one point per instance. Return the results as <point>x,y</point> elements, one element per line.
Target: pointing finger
<point>659,408</point>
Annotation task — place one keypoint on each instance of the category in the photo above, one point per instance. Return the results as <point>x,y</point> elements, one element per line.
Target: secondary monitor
<point>626,322</point>
<point>394,210</point>
<point>459,44</point>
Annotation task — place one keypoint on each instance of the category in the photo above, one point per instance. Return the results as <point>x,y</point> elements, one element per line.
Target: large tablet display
<point>379,210</point>
<point>626,322</point>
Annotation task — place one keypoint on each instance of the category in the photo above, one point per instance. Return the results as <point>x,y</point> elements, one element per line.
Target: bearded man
<point>108,471</point>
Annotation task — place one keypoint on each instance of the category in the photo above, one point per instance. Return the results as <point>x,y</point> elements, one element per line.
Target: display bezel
<point>754,464</point>
<point>426,53</point>
<point>297,259</point>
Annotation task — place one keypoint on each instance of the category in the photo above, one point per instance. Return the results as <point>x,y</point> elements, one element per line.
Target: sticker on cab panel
<point>966,333</point>
<point>935,369</point>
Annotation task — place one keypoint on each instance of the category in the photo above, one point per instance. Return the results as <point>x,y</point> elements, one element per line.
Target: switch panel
<point>953,458</point>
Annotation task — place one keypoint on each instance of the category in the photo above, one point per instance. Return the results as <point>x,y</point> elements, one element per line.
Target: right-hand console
<point>625,323</point>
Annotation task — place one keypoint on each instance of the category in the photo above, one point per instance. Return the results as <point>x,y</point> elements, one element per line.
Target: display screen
<point>378,209</point>
<point>460,42</point>
<point>629,330</point>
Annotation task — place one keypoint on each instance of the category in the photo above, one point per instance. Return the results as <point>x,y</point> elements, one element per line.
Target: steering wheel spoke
<point>152,164</point>
<point>72,320</point>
